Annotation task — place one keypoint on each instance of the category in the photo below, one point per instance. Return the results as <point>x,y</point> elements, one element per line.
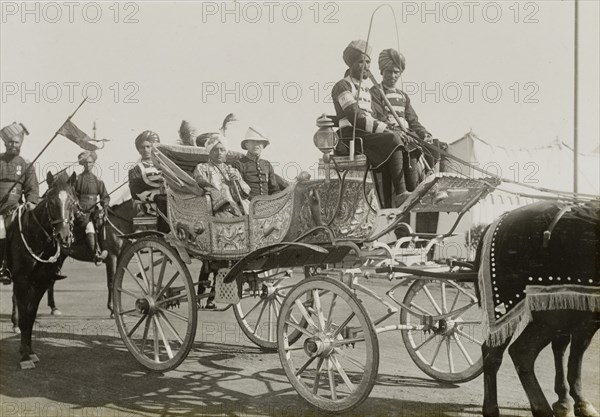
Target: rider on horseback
<point>93,199</point>
<point>17,181</point>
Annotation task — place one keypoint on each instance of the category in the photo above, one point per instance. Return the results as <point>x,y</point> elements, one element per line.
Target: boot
<point>5,275</point>
<point>98,256</point>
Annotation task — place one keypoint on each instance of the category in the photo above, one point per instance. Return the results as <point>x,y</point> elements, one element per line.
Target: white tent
<point>548,167</point>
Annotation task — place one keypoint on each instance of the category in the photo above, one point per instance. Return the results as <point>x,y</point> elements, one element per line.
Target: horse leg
<point>111,269</point>
<point>563,407</point>
<point>581,339</point>
<point>14,317</point>
<point>28,298</point>
<point>51,302</point>
<point>492,359</point>
<point>524,351</point>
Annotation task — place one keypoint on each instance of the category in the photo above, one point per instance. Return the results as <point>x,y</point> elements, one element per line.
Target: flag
<point>72,132</point>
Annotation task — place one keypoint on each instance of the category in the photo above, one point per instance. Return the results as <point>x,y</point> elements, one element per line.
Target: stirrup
<point>5,276</point>
<point>100,257</point>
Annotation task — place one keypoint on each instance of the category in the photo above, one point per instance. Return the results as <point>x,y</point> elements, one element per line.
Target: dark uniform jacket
<point>145,185</point>
<point>258,174</point>
<point>88,188</point>
<point>377,143</point>
<point>11,169</point>
<point>401,105</point>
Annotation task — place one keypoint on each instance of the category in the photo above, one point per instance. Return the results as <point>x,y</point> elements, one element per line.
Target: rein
<point>54,257</point>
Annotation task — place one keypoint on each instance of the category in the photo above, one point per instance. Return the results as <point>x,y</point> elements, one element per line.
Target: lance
<point>41,152</point>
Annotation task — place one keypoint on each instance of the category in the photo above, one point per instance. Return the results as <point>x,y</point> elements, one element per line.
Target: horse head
<point>60,203</point>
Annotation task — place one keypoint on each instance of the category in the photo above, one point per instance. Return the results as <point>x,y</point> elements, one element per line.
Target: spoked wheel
<point>155,304</point>
<point>259,308</point>
<point>448,349</point>
<point>333,364</point>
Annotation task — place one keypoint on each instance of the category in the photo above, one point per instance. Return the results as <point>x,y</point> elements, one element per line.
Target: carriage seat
<point>343,146</point>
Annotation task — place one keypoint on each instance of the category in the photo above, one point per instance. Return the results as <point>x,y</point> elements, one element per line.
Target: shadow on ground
<point>98,372</point>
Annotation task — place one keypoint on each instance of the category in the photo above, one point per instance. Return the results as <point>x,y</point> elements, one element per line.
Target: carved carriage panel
<point>271,219</point>
<point>230,237</point>
<point>188,215</point>
<point>343,208</point>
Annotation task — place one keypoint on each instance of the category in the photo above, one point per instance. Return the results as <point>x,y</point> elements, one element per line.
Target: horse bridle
<point>53,223</point>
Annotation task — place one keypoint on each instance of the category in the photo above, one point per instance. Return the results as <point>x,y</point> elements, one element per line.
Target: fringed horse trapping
<point>539,279</point>
<point>37,238</point>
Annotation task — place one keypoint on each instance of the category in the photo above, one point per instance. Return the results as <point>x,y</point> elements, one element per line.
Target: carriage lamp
<point>325,139</point>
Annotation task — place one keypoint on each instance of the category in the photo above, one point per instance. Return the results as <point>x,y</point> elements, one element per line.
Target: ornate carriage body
<point>343,206</point>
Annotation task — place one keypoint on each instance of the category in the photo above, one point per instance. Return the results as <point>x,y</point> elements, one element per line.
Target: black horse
<point>539,278</point>
<point>37,238</point>
<point>119,221</point>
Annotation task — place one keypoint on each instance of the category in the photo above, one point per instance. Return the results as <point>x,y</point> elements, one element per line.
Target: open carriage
<point>332,228</point>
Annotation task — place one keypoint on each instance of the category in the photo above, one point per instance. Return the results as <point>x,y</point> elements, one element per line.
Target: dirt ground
<point>85,370</point>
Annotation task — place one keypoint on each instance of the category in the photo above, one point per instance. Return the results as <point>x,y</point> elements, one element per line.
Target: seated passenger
<point>391,65</point>
<point>257,173</point>
<point>146,182</point>
<point>223,183</point>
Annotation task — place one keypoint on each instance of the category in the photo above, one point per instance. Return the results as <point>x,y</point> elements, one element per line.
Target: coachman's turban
<point>146,136</point>
<point>390,58</point>
<point>355,51</point>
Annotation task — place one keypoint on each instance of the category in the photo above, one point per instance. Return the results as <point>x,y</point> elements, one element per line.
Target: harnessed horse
<point>539,279</point>
<point>37,237</point>
<point>119,221</point>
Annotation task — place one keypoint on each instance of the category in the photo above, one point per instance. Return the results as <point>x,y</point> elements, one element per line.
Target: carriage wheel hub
<point>145,306</point>
<point>267,291</point>
<point>318,345</point>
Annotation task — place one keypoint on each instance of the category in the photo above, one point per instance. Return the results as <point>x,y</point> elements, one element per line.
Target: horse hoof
<point>56,312</point>
<point>27,365</point>
<point>34,358</point>
<point>585,409</point>
<point>112,315</point>
<point>16,330</point>
<point>563,409</point>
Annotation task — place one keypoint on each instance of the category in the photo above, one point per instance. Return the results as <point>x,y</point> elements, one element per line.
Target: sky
<point>504,70</point>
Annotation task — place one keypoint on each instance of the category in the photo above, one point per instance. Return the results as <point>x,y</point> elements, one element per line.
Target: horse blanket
<point>544,256</point>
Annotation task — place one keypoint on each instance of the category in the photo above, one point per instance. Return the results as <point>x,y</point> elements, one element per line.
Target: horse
<point>539,281</point>
<point>36,238</point>
<point>119,221</point>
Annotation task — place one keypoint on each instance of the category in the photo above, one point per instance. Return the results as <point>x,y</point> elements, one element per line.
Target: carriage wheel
<point>258,311</point>
<point>333,365</point>
<point>449,350</point>
<point>155,304</point>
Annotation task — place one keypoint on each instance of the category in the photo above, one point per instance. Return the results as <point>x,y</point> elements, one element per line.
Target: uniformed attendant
<point>352,102</point>
<point>257,173</point>
<point>93,199</point>
<point>17,181</point>
<point>391,65</point>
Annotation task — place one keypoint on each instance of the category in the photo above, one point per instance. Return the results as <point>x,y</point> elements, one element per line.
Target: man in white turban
<point>223,183</point>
